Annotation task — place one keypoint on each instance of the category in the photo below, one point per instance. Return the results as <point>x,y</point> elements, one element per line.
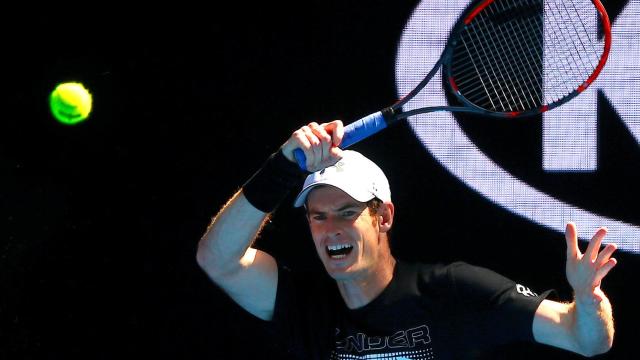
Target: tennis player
<point>372,305</point>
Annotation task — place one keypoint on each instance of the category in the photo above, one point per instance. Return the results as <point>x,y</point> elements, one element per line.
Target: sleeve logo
<point>525,291</point>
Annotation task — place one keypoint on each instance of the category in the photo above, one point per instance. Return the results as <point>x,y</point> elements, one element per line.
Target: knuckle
<point>299,137</point>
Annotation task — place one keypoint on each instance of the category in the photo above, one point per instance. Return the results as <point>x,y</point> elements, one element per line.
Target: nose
<point>332,227</point>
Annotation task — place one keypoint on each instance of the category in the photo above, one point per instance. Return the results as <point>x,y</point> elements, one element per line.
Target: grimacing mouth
<point>339,251</point>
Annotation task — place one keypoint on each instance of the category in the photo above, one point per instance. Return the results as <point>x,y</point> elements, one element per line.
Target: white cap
<point>354,174</point>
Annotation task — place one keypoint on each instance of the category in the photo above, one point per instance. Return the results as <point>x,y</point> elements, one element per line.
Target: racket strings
<point>498,78</point>
<point>501,84</point>
<point>517,55</point>
<point>518,74</point>
<point>514,77</point>
<point>586,53</point>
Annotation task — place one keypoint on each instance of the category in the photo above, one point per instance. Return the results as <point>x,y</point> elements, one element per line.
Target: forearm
<point>234,228</point>
<point>584,326</point>
<point>593,324</point>
<point>230,234</point>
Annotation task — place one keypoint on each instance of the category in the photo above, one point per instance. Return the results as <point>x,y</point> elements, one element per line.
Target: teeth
<point>339,251</point>
<point>338,247</point>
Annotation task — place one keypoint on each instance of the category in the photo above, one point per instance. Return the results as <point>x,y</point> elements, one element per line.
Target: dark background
<point>99,222</point>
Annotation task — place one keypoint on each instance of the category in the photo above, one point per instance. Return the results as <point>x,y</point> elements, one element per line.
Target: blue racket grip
<point>354,132</point>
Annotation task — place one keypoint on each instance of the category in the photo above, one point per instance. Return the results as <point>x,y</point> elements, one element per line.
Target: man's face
<point>345,233</point>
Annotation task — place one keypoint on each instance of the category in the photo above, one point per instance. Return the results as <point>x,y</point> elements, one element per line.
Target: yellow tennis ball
<point>70,103</point>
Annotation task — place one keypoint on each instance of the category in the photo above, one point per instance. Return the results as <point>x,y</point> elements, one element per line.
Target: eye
<point>319,217</point>
<point>349,213</point>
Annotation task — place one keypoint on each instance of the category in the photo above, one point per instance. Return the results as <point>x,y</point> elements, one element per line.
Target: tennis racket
<point>508,59</point>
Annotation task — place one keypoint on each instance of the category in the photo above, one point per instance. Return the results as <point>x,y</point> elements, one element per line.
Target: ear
<point>385,215</point>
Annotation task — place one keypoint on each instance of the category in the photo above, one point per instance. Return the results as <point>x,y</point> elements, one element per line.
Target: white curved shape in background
<point>422,42</point>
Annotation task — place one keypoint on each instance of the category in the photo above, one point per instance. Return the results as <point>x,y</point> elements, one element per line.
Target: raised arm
<point>250,276</point>
<point>584,326</point>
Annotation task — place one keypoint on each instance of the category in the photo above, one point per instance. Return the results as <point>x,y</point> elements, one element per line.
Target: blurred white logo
<point>569,132</point>
<point>525,290</point>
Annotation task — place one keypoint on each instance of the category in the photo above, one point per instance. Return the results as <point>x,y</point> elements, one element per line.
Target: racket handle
<point>354,132</point>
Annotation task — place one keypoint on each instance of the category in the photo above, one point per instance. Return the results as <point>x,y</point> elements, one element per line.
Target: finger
<point>594,245</point>
<point>297,140</point>
<point>317,146</point>
<point>604,270</point>
<point>571,236</point>
<point>301,141</point>
<point>336,153</point>
<point>336,129</point>
<point>321,132</point>
<point>605,254</point>
<point>324,137</point>
<point>312,153</point>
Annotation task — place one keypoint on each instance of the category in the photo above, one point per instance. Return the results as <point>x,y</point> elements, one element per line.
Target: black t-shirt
<point>426,312</point>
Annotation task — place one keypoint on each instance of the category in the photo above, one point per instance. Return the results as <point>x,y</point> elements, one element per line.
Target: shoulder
<point>478,281</point>
<point>458,277</point>
<point>440,272</point>
<point>432,279</point>
<point>465,273</point>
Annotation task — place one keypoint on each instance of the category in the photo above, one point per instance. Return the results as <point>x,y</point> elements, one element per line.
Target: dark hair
<point>374,205</point>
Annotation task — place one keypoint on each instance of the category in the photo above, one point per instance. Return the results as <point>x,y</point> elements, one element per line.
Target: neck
<point>362,290</point>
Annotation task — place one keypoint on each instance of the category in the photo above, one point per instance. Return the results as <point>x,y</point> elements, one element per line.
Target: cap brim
<point>302,196</point>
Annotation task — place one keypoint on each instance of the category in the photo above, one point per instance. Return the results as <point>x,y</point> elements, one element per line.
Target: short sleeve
<point>495,310</point>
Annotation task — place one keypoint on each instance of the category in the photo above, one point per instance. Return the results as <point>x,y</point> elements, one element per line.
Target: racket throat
<point>392,115</point>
